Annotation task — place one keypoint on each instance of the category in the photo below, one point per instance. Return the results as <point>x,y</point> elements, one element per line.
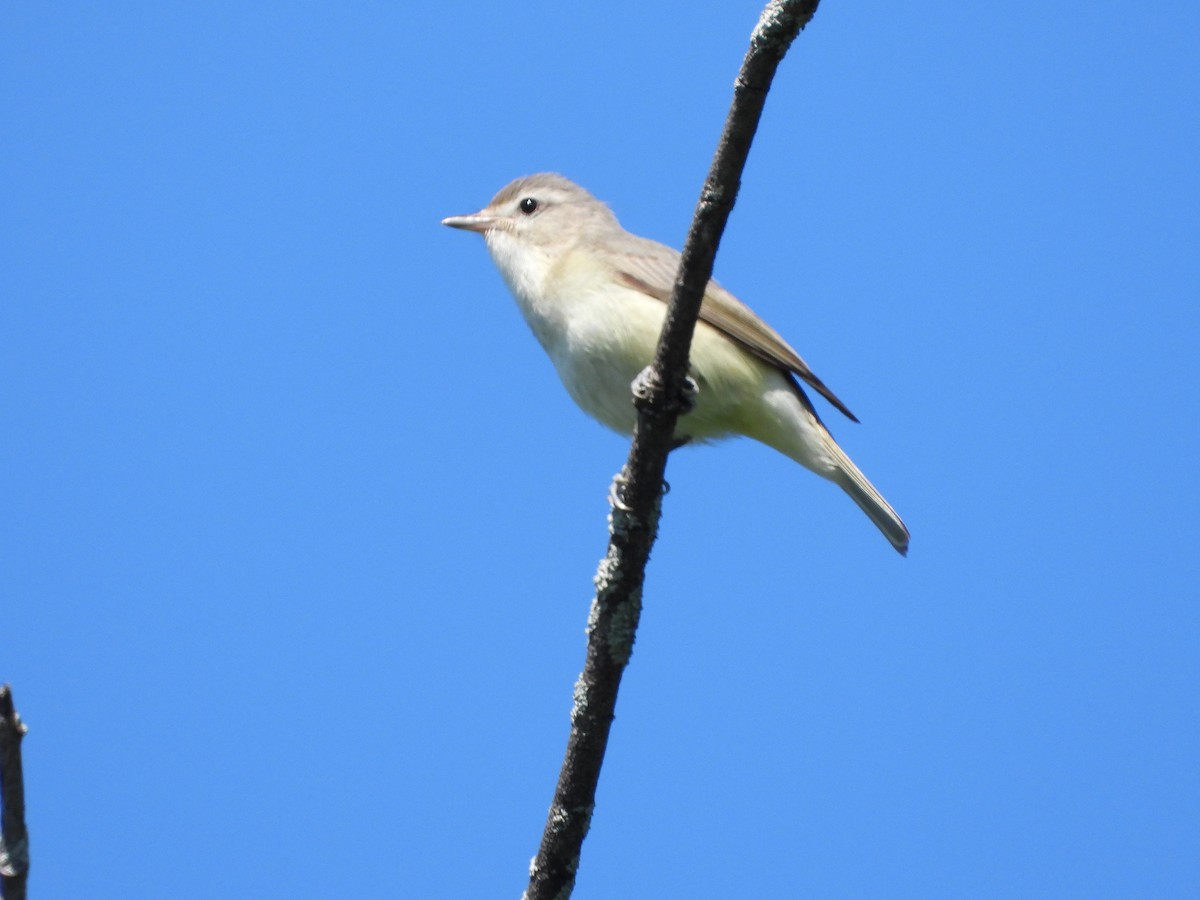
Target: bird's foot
<point>647,384</point>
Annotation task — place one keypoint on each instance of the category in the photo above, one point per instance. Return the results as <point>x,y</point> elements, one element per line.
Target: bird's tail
<point>794,429</point>
<point>871,502</point>
<point>847,476</point>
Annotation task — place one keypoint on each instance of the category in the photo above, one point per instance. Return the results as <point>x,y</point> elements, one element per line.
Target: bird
<point>595,296</point>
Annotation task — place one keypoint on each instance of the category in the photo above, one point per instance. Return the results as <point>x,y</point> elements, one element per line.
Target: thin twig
<point>637,491</point>
<point>14,844</point>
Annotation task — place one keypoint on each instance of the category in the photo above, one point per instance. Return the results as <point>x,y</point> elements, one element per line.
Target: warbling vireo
<point>595,296</point>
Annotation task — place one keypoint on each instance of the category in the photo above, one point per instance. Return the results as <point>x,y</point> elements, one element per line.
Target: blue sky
<point>299,527</point>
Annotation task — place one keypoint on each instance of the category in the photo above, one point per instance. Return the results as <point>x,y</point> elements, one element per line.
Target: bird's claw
<point>688,395</point>
<point>647,383</point>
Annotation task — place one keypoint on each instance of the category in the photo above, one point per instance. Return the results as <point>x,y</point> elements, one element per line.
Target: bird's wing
<point>650,267</point>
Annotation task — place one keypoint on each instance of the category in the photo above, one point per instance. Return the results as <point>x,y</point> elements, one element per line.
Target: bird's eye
<point>528,205</point>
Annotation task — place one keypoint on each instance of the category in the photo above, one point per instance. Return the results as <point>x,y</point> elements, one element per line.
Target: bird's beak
<point>474,222</point>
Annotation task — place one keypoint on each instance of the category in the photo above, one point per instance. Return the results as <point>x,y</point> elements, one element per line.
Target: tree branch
<point>637,490</point>
<point>14,840</point>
